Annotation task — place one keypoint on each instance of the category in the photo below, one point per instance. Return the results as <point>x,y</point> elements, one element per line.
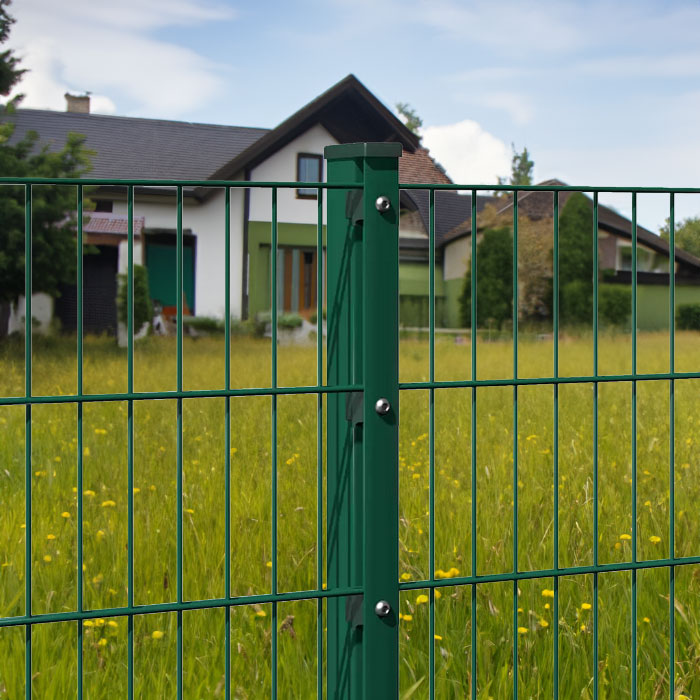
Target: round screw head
<point>382,608</point>
<point>382,407</point>
<point>383,204</point>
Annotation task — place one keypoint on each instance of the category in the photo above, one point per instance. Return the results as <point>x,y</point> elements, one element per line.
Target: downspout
<point>244,276</point>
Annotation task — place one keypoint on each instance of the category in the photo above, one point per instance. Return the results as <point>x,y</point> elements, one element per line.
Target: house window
<point>309,169</point>
<point>104,205</point>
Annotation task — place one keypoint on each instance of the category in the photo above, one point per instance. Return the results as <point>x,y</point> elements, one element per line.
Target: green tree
<point>686,234</point>
<point>576,260</point>
<point>410,118</point>
<point>521,167</point>
<point>53,207</point>
<point>494,280</point>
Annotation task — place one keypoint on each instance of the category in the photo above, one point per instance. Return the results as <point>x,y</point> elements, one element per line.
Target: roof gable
<point>348,111</point>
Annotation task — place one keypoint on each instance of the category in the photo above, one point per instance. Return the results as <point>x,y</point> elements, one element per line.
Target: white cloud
<point>470,154</point>
<point>109,50</point>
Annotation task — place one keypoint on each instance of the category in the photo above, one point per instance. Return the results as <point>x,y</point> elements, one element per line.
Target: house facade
<point>159,149</point>
<point>134,148</point>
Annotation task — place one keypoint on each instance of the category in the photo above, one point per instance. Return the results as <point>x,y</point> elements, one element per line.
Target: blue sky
<point>601,93</point>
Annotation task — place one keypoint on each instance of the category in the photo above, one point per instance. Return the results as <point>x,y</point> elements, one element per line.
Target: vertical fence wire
<point>180,596</point>
<point>595,444</point>
<point>227,440</point>
<point>319,442</point>
<point>273,253</point>
<point>473,262</point>
<point>79,486</point>
<point>431,441</point>
<point>555,449</point>
<point>515,443</point>
<point>130,434</point>
<point>28,438</point>
<point>633,663</point>
<point>672,446</point>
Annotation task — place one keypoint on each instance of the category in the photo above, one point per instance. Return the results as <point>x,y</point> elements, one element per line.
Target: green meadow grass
<point>54,527</point>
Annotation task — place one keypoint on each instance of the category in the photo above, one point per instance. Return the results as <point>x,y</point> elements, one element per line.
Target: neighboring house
<point>614,255</point>
<point>160,149</point>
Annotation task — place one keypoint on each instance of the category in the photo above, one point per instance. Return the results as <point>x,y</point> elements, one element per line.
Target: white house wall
<point>282,165</point>
<point>207,222</point>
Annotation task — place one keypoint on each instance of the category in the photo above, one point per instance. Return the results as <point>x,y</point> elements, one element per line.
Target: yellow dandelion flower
<point>108,504</point>
<point>40,473</point>
<point>88,492</point>
<point>86,452</point>
<point>405,576</point>
<point>452,572</point>
<point>102,642</point>
<point>151,488</point>
<point>113,624</point>
<point>98,579</point>
<point>233,451</point>
<point>522,630</point>
<point>100,431</point>
<point>22,526</point>
<point>88,623</point>
<point>583,628</point>
<point>625,536</point>
<point>531,437</point>
<point>618,545</point>
<point>65,514</point>
<point>57,459</point>
<point>438,638</point>
<point>137,489</point>
<point>100,534</point>
<point>438,595</point>
<point>585,606</point>
<point>543,623</point>
<point>456,482</point>
<point>546,606</point>
<point>189,510</point>
<point>324,586</point>
<point>99,622</point>
<point>548,593</point>
<point>111,591</point>
<point>50,537</point>
<point>47,558</point>
<point>422,599</point>
<point>416,476</point>
<point>260,613</point>
<point>647,504</point>
<point>407,618</point>
<point>290,461</point>
<point>520,610</point>
<point>157,634</point>
<point>269,564</point>
<point>647,620</point>
<point>655,539</point>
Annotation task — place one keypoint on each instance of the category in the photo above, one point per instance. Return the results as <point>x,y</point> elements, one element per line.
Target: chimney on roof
<point>78,103</point>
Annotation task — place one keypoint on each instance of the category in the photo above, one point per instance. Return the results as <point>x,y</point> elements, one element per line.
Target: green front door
<point>161,261</point>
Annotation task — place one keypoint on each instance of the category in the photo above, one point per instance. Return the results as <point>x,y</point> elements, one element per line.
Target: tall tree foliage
<point>686,234</point>
<point>521,167</point>
<point>53,207</point>
<point>410,117</point>
<point>576,260</point>
<point>494,280</point>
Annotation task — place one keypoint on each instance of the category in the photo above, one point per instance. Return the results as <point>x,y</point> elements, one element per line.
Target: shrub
<point>576,298</point>
<point>205,324</point>
<point>688,317</point>
<point>286,321</point>
<point>614,304</point>
<point>143,308</point>
<point>314,317</point>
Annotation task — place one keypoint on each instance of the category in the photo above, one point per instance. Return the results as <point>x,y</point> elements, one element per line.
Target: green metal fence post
<point>362,479</point>
<point>343,480</point>
<point>381,420</point>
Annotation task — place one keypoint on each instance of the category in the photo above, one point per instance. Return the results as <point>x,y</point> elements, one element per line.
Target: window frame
<point>305,193</point>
